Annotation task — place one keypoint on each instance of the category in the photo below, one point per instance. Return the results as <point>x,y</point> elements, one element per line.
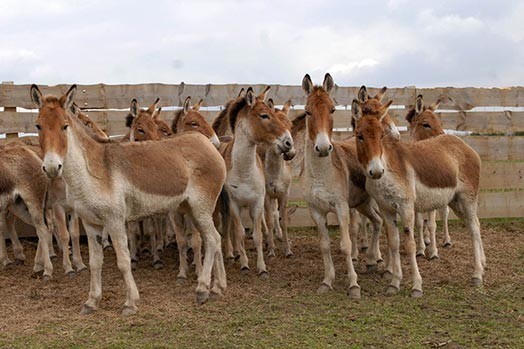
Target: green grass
<point>285,312</point>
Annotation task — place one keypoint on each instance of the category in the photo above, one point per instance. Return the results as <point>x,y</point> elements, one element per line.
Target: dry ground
<point>283,311</point>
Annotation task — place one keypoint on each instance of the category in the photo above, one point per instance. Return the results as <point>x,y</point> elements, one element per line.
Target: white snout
<point>323,145</point>
<point>52,165</point>
<point>394,130</point>
<point>375,168</point>
<point>214,139</point>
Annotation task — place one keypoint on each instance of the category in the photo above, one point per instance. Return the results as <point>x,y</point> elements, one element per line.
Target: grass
<point>284,311</point>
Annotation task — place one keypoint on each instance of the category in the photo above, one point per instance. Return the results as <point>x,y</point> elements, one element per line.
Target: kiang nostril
<point>59,166</point>
<point>330,147</point>
<point>43,169</point>
<point>288,144</point>
<point>370,172</point>
<point>317,148</point>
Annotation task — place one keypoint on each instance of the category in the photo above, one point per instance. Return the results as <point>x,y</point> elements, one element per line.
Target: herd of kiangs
<point>192,180</point>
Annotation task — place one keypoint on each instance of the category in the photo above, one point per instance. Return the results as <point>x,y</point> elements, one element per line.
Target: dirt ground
<point>285,310</point>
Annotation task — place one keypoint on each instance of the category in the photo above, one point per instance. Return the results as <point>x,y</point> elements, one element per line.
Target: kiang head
<point>253,117</point>
<point>142,123</point>
<point>53,124</point>
<point>319,114</point>
<point>423,123</point>
<point>189,118</point>
<point>283,116</point>
<point>372,105</point>
<point>370,131</point>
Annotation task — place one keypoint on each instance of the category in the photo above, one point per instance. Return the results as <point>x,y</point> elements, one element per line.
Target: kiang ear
<point>134,108</point>
<point>240,93</point>
<point>286,107</point>
<point>36,96</point>
<point>153,106</point>
<point>156,113</point>
<point>356,110</point>
<point>380,93</point>
<point>328,83</point>
<point>66,101</point>
<point>187,104</point>
<point>434,106</point>
<point>307,84</point>
<point>197,106</point>
<point>271,104</point>
<point>384,110</point>
<point>250,97</point>
<point>74,109</point>
<point>362,94</point>
<point>419,104</point>
<point>262,96</point>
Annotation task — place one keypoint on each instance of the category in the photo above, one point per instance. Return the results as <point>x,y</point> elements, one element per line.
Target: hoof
<point>86,310</point>
<point>391,290</point>
<point>108,248</point>
<point>447,244</point>
<point>180,280</point>
<point>371,268</point>
<point>7,262</point>
<point>128,310</point>
<point>214,295</point>
<point>476,282</point>
<point>387,275</point>
<point>202,297</point>
<point>245,270</point>
<point>158,265</point>
<point>271,253</point>
<point>134,265</point>
<point>289,254</point>
<point>434,257</point>
<point>81,269</point>
<point>323,288</point>
<point>363,249</point>
<point>19,262</point>
<point>46,278</point>
<point>416,293</point>
<point>380,260</point>
<point>263,275</point>
<point>421,254</point>
<point>354,292</point>
<point>37,274</point>
<point>54,257</point>
<point>71,274</point>
<point>145,252</point>
<point>354,260</point>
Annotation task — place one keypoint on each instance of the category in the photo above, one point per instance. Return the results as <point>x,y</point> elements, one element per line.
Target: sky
<point>391,43</point>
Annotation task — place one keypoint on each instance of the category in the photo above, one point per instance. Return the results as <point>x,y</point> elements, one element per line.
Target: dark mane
<point>298,124</point>
<point>221,118</point>
<point>234,108</point>
<point>176,119</point>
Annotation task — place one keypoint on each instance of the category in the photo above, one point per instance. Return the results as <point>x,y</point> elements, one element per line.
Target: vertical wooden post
<point>12,109</point>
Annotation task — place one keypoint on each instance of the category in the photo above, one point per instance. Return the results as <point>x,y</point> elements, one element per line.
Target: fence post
<point>12,109</point>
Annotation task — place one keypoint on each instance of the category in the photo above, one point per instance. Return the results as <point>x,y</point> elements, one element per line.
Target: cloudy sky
<point>384,42</point>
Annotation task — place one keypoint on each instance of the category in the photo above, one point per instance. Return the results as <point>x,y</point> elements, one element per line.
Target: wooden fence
<point>493,114</point>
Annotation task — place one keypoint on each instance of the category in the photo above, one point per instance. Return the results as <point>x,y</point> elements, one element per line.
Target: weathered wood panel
<point>119,96</point>
<point>479,122</point>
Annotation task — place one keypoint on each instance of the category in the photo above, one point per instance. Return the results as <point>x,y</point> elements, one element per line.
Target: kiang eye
<point>141,131</point>
<point>332,110</point>
<point>65,127</point>
<point>426,125</point>
<point>264,116</point>
<point>38,127</point>
<point>307,113</point>
<point>194,124</point>
<point>360,137</point>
